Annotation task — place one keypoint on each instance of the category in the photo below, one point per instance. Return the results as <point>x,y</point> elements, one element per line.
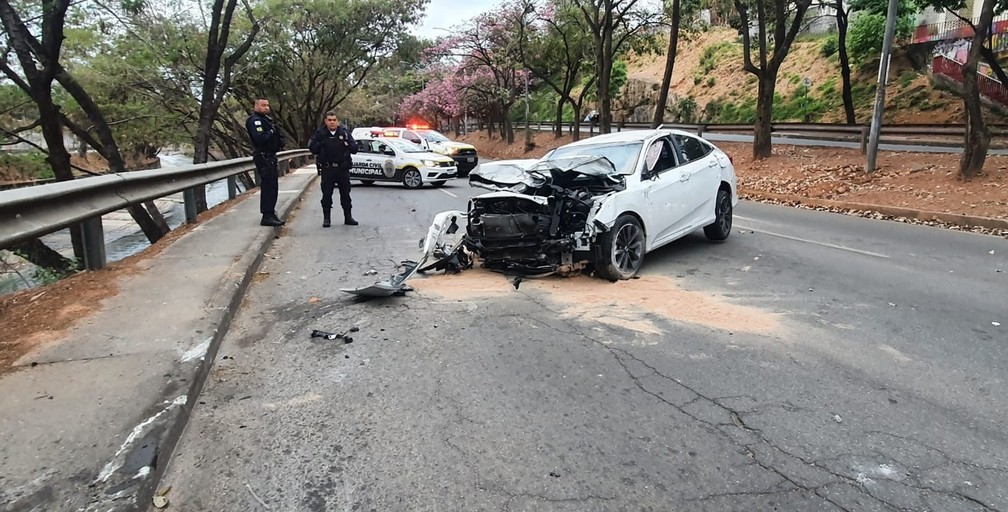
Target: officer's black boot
<point>270,220</point>
<point>326,220</point>
<point>347,219</point>
<point>277,219</point>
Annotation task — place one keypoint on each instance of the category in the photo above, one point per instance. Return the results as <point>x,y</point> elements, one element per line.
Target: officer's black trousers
<point>266,166</point>
<point>333,177</point>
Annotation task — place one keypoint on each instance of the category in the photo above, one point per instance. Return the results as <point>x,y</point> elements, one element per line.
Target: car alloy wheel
<point>412,178</point>
<point>620,252</point>
<point>721,227</point>
<point>628,248</point>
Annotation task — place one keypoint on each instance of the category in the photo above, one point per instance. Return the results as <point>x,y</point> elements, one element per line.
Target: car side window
<point>412,137</point>
<point>363,146</point>
<point>691,148</point>
<point>659,158</point>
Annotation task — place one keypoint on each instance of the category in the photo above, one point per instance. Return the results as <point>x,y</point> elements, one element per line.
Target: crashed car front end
<point>541,218</point>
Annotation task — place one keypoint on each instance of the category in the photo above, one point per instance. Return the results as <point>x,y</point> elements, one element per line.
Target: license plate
<point>470,159</point>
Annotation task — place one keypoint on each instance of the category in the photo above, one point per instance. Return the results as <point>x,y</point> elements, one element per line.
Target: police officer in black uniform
<point>332,146</point>
<point>267,139</point>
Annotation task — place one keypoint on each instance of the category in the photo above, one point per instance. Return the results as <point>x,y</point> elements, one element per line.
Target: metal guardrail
<point>30,212</point>
<point>910,134</point>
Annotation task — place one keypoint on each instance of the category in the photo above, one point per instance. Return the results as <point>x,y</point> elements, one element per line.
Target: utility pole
<point>883,76</point>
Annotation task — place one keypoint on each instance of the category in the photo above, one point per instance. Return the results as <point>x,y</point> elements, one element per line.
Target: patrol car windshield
<point>433,136</point>
<point>405,146</point>
<point>623,156</point>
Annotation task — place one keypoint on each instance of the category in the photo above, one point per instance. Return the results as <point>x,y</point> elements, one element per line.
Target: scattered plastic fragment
<point>892,304</point>
<point>837,418</point>
<point>996,324</point>
<point>334,336</point>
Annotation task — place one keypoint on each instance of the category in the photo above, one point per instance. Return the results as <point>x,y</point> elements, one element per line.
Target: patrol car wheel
<point>412,178</point>
<point>367,182</point>
<point>438,184</point>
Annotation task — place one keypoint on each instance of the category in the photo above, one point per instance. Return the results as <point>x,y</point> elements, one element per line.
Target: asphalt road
<point>811,362</point>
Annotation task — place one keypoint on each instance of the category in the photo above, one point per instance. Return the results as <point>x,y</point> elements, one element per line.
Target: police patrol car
<point>399,160</point>
<point>464,154</point>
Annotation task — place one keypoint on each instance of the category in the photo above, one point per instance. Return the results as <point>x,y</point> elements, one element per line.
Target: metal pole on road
<point>890,30</point>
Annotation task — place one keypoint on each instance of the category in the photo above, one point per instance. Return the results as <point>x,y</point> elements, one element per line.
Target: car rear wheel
<point>412,178</point>
<point>367,182</point>
<point>721,227</point>
<point>621,250</point>
<point>438,184</point>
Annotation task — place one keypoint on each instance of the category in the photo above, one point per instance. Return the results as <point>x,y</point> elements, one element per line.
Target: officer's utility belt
<point>327,165</point>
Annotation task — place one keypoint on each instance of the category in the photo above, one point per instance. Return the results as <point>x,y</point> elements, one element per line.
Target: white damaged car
<point>601,203</point>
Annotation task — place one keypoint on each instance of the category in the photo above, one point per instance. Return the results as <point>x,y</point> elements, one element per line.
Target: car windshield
<point>623,155</point>
<point>405,146</point>
<point>433,136</point>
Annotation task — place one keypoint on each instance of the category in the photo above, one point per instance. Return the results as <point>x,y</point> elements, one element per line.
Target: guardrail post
<point>282,167</point>
<point>700,129</point>
<point>93,238</point>
<point>232,185</point>
<point>864,139</point>
<point>189,198</point>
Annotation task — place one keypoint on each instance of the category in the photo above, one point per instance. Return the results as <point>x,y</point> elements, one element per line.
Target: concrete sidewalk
<point>89,421</point>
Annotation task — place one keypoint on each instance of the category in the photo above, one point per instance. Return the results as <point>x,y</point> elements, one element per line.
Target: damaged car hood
<point>529,176</point>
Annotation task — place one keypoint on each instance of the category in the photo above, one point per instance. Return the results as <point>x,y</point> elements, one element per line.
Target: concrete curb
<point>231,291</point>
<point>892,211</point>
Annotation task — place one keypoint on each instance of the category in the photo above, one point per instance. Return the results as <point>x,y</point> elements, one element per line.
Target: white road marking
<point>813,242</point>
<point>446,192</point>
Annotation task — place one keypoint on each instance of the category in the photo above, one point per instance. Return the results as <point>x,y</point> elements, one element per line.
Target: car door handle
<point>712,163</point>
<point>685,176</point>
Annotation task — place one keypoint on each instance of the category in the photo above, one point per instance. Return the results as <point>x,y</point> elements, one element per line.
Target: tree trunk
<point>41,255</point>
<point>559,126</point>
<point>977,134</point>
<point>845,70</point>
<point>670,55</point>
<point>605,75</point>
<point>762,145</point>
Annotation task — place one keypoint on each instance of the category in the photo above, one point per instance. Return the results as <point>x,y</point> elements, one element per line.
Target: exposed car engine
<point>533,228</point>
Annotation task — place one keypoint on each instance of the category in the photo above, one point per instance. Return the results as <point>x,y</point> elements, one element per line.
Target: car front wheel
<point>620,252</point>
<point>721,227</point>
<point>412,178</point>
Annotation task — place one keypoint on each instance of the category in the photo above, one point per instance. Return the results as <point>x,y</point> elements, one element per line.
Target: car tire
<point>412,178</point>
<point>438,184</point>
<point>719,230</point>
<point>367,182</point>
<point>620,251</point>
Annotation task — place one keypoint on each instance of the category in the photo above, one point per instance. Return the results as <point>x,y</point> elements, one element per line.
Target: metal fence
<point>30,212</point>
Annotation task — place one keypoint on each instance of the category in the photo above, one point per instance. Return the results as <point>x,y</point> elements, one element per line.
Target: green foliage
<point>864,37</point>
<point>44,275</point>
<point>830,45</point>
<point>906,78</point>
<point>715,53</point>
<point>866,31</point>
<point>30,164</point>
<point>727,112</point>
<point>618,79</point>
<point>829,86</point>
<point>686,110</point>
<point>710,81</point>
